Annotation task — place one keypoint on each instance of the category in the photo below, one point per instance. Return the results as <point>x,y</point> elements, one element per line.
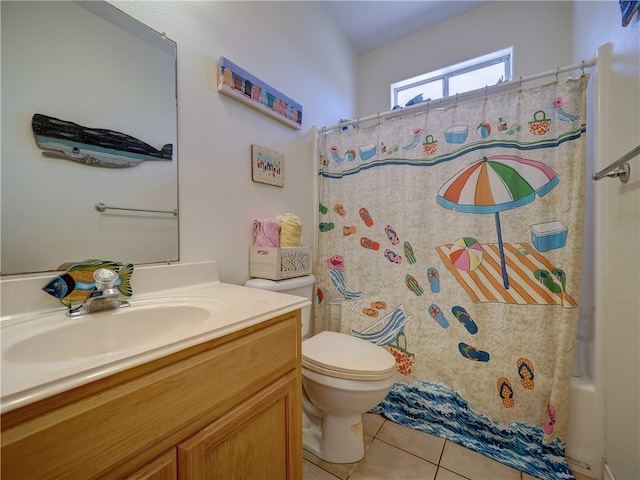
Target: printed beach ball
<point>484,130</point>
<point>466,254</point>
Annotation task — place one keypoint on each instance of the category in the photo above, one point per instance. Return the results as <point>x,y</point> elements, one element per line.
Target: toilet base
<point>339,440</point>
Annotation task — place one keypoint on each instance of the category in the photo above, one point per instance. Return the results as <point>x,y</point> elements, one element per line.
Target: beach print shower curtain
<point>453,238</point>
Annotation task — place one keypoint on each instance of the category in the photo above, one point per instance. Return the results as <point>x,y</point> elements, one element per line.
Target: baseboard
<point>606,473</point>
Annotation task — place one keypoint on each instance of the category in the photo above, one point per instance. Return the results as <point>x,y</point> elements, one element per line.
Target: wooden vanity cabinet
<point>165,467</point>
<point>226,409</point>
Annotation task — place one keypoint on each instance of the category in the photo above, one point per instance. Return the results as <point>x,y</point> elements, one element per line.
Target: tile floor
<point>396,452</point>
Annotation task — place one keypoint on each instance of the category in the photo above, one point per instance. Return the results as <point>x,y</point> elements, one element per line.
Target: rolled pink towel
<point>266,233</point>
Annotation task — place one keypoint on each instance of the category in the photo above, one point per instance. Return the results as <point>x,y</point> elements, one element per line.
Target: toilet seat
<point>343,356</point>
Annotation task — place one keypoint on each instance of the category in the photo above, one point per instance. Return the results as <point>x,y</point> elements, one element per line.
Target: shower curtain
<point>452,238</point>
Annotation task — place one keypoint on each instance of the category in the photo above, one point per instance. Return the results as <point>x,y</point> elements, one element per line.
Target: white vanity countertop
<point>24,383</point>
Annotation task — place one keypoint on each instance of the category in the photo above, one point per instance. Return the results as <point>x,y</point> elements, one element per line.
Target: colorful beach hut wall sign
<point>246,88</point>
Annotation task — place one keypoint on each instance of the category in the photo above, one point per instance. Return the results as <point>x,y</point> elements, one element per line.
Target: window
<point>463,77</point>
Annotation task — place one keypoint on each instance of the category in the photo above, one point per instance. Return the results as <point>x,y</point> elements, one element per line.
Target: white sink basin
<point>113,331</point>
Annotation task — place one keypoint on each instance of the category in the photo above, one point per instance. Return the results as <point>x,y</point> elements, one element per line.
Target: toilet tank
<point>300,286</point>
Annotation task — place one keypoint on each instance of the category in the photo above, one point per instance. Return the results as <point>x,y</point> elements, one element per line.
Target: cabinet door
<point>162,468</point>
<point>260,438</point>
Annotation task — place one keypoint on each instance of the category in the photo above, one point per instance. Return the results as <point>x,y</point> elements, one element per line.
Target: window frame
<point>444,74</point>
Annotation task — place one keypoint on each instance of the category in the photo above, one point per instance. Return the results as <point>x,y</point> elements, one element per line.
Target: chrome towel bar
<point>620,168</point>
<point>101,207</point>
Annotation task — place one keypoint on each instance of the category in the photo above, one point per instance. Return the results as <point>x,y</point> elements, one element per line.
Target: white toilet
<point>342,378</point>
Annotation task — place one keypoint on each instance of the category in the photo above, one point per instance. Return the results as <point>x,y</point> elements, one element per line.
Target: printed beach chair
<point>383,331</point>
<point>343,293</point>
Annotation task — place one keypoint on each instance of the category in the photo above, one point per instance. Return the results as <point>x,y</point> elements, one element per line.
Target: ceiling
<point>371,24</point>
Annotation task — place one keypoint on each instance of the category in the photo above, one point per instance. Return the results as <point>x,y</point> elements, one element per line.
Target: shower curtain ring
<point>557,73</point>
<point>520,85</point>
<point>582,67</point>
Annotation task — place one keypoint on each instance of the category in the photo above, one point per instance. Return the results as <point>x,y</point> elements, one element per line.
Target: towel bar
<point>620,168</point>
<point>101,207</point>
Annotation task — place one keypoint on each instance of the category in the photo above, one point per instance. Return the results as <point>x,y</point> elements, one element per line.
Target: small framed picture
<point>267,166</point>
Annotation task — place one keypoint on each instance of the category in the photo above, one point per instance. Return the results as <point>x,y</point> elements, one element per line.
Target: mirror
<point>89,64</point>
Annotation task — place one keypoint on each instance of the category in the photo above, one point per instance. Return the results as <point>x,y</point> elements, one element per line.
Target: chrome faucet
<point>104,298</point>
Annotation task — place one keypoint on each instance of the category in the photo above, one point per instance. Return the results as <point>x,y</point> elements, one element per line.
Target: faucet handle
<point>105,278</point>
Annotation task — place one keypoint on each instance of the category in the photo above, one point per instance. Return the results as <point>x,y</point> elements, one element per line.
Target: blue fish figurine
<point>78,284</point>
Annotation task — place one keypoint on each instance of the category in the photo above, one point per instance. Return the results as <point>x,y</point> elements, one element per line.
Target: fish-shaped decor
<point>93,146</point>
<point>78,284</point>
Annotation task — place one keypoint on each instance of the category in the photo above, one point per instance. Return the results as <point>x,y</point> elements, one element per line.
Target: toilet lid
<point>344,356</point>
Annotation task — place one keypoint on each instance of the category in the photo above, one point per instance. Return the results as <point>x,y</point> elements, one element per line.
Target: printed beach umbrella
<point>495,184</point>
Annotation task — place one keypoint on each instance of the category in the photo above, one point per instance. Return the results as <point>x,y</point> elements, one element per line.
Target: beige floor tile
<point>579,476</point>
<point>340,470</point>
<point>444,474</point>
<point>422,444</point>
<point>371,423</point>
<point>475,466</point>
<point>384,462</point>
<point>582,476</point>
<point>313,472</point>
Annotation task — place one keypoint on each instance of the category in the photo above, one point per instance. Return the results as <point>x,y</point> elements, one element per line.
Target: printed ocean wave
<point>437,409</point>
<point>478,146</point>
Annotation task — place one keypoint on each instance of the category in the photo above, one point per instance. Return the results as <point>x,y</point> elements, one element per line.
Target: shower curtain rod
<point>441,102</point>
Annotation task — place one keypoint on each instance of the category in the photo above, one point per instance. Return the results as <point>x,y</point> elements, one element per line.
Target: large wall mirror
<point>90,64</point>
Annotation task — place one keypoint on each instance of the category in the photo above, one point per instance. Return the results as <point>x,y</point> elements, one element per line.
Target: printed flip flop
<point>438,316</point>
<point>408,252</point>
<point>544,277</point>
<point>319,296</point>
<point>506,392</point>
<point>370,312</point>
<point>326,227</point>
<point>561,277</point>
<point>380,305</point>
<point>392,257</point>
<point>366,218</point>
<point>346,231</point>
<point>413,285</point>
<point>551,419</point>
<point>391,235</point>
<point>339,209</point>
<point>525,370</point>
<point>322,208</point>
<point>369,244</point>
<point>472,353</point>
<point>434,279</point>
<point>465,319</point>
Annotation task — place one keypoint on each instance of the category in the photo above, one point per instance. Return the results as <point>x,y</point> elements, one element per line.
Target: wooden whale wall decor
<point>97,147</point>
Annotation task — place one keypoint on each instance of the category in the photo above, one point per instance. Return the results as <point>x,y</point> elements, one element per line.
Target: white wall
<point>617,226</point>
<point>540,33</point>
<point>293,47</point>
